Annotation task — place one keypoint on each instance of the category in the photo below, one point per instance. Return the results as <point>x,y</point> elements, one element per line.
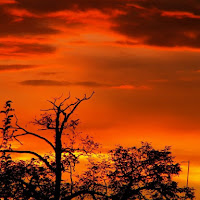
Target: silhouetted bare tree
<point>57,119</point>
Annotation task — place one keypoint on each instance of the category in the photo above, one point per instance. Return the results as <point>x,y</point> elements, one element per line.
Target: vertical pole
<point>188,173</point>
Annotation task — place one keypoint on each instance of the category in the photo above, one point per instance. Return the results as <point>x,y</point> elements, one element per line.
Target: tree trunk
<point>58,166</point>
<point>71,178</point>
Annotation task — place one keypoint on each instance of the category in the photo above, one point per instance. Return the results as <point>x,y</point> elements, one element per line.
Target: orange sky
<point>142,59</point>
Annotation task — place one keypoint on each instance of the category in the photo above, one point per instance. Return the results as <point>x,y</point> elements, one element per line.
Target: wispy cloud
<point>44,83</point>
<point>21,48</point>
<point>131,87</point>
<point>47,82</point>
<point>16,67</point>
<point>48,73</point>
<point>90,84</point>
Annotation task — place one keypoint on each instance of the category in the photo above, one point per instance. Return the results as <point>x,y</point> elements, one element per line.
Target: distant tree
<point>135,173</point>
<point>65,154</point>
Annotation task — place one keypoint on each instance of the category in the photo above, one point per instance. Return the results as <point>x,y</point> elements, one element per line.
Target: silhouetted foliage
<point>135,173</point>
<point>121,174</point>
<point>25,179</point>
<point>66,152</point>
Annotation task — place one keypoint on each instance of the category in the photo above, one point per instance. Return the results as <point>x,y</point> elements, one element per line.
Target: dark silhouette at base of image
<point>120,174</point>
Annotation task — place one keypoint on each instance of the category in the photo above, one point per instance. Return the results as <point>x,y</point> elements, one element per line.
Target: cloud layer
<point>90,84</point>
<point>155,23</point>
<point>16,67</point>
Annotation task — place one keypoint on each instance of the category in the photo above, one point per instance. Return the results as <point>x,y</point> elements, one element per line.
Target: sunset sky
<point>141,57</point>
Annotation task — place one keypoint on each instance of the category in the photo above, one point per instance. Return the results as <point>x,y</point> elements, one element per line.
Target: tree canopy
<point>120,174</point>
<point>136,173</point>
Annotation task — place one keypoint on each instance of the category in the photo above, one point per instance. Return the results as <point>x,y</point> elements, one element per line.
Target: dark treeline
<point>120,174</point>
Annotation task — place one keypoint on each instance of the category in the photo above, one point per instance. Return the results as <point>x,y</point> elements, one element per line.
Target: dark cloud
<point>35,48</point>
<point>151,27</point>
<point>47,73</point>
<point>27,48</point>
<point>10,25</point>
<point>192,6</point>
<point>144,21</point>
<point>44,83</point>
<point>15,67</point>
<point>126,42</point>
<point>90,84</point>
<point>6,2</point>
<point>28,26</point>
<point>46,6</point>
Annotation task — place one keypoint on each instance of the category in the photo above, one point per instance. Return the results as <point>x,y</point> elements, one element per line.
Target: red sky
<point>141,57</point>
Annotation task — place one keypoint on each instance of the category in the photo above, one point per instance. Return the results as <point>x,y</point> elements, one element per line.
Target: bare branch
<point>79,101</point>
<point>50,109</point>
<point>53,103</point>
<point>30,152</point>
<point>45,121</point>
<point>18,140</point>
<point>65,100</point>
<point>33,134</point>
<point>73,109</point>
<point>72,104</point>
